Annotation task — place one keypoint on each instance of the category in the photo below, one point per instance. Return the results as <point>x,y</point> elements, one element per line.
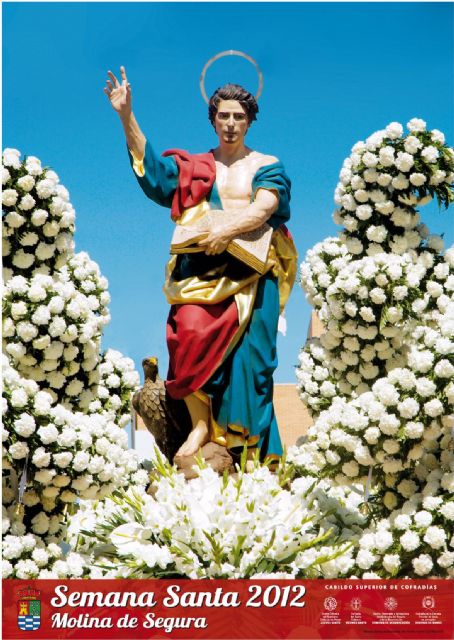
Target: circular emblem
<point>230,52</point>
<point>330,603</point>
<point>428,602</point>
<point>390,604</point>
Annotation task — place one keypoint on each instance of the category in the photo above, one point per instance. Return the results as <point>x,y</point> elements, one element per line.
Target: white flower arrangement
<point>367,306</point>
<point>31,538</point>
<point>382,181</point>
<point>415,540</point>
<point>379,380</point>
<point>64,402</point>
<point>211,527</point>
<point>55,312</point>
<point>27,557</point>
<point>38,218</point>
<point>386,425</point>
<point>51,331</point>
<point>112,384</point>
<point>64,455</point>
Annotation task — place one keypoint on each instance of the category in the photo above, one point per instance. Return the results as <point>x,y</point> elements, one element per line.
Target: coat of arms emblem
<point>29,609</point>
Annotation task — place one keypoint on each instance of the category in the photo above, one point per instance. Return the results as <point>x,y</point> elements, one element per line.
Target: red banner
<point>227,609</point>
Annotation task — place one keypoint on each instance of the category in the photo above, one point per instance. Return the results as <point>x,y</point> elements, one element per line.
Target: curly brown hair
<point>233,92</point>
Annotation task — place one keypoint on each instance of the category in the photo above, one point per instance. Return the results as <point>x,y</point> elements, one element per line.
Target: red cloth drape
<point>196,176</point>
<point>198,336</point>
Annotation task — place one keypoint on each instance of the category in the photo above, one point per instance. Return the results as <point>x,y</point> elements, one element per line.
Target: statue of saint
<point>223,320</point>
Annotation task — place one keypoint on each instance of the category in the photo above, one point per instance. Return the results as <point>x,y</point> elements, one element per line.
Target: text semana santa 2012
<point>268,596</point>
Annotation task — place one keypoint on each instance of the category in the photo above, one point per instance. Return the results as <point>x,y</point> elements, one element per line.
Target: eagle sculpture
<point>166,419</point>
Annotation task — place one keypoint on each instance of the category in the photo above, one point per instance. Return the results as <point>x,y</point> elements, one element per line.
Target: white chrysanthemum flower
<point>39,217</point>
<point>41,457</point>
<point>26,203</point>
<point>425,387</point>
<point>430,154</point>
<point>13,218</point>
<point>412,144</point>
<point>416,125</point>
<point>377,295</point>
<point>370,159</point>
<point>45,188</point>
<point>377,234</point>
<point>33,165</point>
<point>6,176</point>
<point>404,161</point>
<point>435,242</point>
<point>423,519</point>
<point>9,199</point>
<point>391,562</point>
<point>422,564</point>
<point>386,207</point>
<point>430,503</point>
<point>447,510</point>
<point>414,429</point>
<point>394,130</point>
<point>400,182</point>
<point>418,179</point>
<point>11,158</point>
<point>45,251</point>
<point>435,537</point>
<point>410,541</point>
<point>19,398</point>
<point>437,136</point>
<point>18,450</point>
<point>365,559</point>
<point>26,183</point>
<point>386,156</point>
<point>433,408</point>
<point>25,425</point>
<point>408,408</point>
<point>446,559</point>
<point>437,177</point>
<point>402,522</point>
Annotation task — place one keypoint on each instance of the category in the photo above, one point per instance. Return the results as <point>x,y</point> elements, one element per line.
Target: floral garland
<point>64,402</point>
<point>55,309</point>
<point>38,219</point>
<point>382,181</point>
<point>62,454</point>
<point>379,381</point>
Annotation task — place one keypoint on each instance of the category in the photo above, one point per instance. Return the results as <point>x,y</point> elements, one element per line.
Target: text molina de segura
<point>86,621</point>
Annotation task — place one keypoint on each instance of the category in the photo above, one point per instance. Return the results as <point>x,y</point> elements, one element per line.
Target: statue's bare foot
<point>196,439</point>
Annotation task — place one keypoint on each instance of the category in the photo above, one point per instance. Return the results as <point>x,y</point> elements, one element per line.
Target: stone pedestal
<point>216,456</point>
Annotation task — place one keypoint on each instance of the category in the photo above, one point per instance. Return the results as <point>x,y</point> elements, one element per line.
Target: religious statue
<point>223,319</point>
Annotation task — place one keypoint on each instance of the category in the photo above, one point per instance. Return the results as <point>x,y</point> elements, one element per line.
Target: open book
<point>250,247</point>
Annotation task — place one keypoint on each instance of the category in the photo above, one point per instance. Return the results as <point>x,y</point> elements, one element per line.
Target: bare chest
<point>235,182</point>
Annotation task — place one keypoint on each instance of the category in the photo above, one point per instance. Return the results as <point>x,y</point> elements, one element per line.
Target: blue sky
<point>333,74</point>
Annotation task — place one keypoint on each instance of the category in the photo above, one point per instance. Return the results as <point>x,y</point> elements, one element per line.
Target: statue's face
<point>231,122</point>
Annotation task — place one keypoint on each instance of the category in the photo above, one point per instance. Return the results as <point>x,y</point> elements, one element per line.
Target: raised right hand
<point>119,94</point>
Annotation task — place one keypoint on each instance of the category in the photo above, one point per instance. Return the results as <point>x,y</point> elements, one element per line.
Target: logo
<point>390,604</point>
<point>29,609</point>
<point>330,603</point>
<point>428,602</point>
<point>355,604</point>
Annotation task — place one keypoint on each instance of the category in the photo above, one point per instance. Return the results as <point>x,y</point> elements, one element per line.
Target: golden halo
<point>230,52</point>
